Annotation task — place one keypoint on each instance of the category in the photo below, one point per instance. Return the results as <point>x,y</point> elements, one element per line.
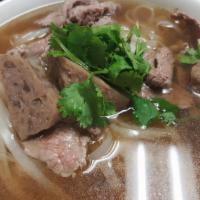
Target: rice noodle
<point>137,14</point>
<point>196,92</point>
<point>105,152</point>
<point>104,148</point>
<point>20,39</point>
<point>126,130</point>
<point>17,152</point>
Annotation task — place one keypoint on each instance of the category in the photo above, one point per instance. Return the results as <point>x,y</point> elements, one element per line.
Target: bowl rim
<point>24,11</point>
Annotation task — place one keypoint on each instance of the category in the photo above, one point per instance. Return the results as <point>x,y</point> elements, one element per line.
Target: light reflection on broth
<point>148,164</point>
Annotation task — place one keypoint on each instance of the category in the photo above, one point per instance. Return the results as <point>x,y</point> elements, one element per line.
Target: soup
<point>123,160</point>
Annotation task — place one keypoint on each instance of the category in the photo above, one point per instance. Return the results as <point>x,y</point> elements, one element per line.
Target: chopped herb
<point>103,51</point>
<point>135,30</point>
<point>85,103</point>
<point>146,111</point>
<point>164,106</point>
<point>191,56</point>
<point>168,118</point>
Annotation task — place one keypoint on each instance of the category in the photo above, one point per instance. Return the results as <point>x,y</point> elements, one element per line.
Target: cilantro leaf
<point>165,106</point>
<point>168,118</point>
<point>85,103</point>
<point>106,53</point>
<point>58,45</point>
<point>103,51</point>
<point>111,34</point>
<point>191,56</point>
<point>129,81</point>
<point>118,65</point>
<point>146,110</point>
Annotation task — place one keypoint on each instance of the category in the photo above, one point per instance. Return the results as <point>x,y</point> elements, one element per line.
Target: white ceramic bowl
<point>10,9</point>
<point>181,182</point>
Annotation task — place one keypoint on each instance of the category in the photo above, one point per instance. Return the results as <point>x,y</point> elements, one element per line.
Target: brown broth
<point>155,166</point>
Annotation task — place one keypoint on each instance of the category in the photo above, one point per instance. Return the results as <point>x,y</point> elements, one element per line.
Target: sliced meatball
<point>69,72</point>
<point>63,150</point>
<point>195,76</point>
<point>162,67</point>
<point>31,99</point>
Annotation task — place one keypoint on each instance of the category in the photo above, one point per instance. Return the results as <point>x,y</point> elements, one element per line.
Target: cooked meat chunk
<point>64,150</point>
<point>192,25</point>
<point>195,76</point>
<point>33,49</point>
<point>104,21</point>
<point>56,17</point>
<point>83,12</point>
<point>70,72</point>
<point>88,15</point>
<point>162,67</point>
<point>31,100</point>
<point>38,47</point>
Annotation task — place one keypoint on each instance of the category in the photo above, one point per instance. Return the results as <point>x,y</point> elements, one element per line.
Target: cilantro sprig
<point>191,56</point>
<point>146,111</point>
<point>85,103</point>
<point>104,51</point>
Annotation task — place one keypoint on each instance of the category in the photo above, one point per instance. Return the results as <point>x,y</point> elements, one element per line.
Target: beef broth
<point>157,163</point>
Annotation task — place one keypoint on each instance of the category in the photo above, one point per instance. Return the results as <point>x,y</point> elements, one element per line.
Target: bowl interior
<point>10,9</point>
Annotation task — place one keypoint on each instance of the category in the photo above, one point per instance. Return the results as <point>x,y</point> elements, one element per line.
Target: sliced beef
<point>83,12</point>
<point>195,76</point>
<point>104,21</point>
<point>63,150</point>
<point>37,48</point>
<point>31,99</point>
<point>88,15</point>
<point>56,17</point>
<point>69,72</point>
<point>192,25</point>
<point>33,49</point>
<point>60,17</point>
<point>162,67</point>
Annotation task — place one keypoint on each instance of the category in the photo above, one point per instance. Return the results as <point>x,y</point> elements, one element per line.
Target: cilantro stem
<point>70,55</point>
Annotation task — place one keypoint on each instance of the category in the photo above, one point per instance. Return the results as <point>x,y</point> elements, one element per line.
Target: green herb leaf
<point>168,118</point>
<point>144,110</point>
<point>85,103</point>
<point>164,106</point>
<point>103,51</point>
<point>191,56</point>
<point>129,81</point>
<point>118,65</point>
